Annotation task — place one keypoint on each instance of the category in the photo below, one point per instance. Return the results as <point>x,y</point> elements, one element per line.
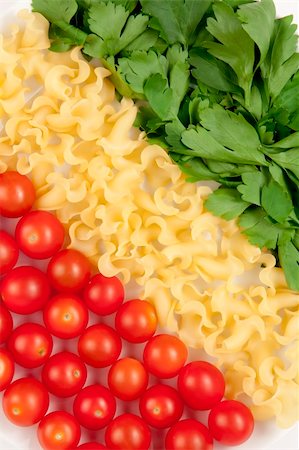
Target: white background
<point>266,435</point>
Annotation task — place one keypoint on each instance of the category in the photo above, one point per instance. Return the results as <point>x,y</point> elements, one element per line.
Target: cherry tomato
<point>65,316</point>
<point>99,346</point>
<point>39,234</point>
<point>69,271</point>
<point>7,368</point>
<point>6,323</point>
<point>127,379</point>
<point>92,446</point>
<point>188,434</point>
<point>9,252</point>
<point>31,345</point>
<point>25,401</point>
<point>58,430</point>
<point>104,295</point>
<point>161,406</point>
<point>201,385</point>
<point>25,290</point>
<point>94,407</point>
<point>128,432</point>
<point>64,374</point>
<point>231,422</point>
<point>136,321</point>
<point>17,194</point>
<point>164,355</point>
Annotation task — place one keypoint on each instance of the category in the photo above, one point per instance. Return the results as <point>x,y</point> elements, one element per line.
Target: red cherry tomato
<point>25,290</point>
<point>164,355</point>
<point>127,379</point>
<point>65,316</point>
<point>7,368</point>
<point>58,430</point>
<point>17,194</point>
<point>31,345</point>
<point>94,407</point>
<point>231,422</point>
<point>201,385</point>
<point>25,401</point>
<point>161,406</point>
<point>188,434</point>
<point>99,346</point>
<point>128,432</point>
<point>6,323</point>
<point>39,234</point>
<point>104,295</point>
<point>92,446</point>
<point>64,374</point>
<point>9,252</point>
<point>136,321</point>
<point>69,271</point>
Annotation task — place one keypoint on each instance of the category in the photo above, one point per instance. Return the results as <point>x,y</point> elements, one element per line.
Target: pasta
<point>129,208</point>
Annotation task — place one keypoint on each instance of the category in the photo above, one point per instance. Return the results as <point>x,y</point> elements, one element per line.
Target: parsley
<point>219,84</point>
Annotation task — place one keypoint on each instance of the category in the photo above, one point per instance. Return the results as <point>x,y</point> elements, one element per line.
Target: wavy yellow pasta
<point>128,207</point>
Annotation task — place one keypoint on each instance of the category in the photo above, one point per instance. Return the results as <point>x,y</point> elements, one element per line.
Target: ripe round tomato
<point>201,385</point>
<point>58,430</point>
<point>7,368</point>
<point>69,271</point>
<point>31,345</point>
<point>128,432</point>
<point>104,295</point>
<point>136,321</point>
<point>6,323</point>
<point>164,355</point>
<point>94,407</point>
<point>65,316</point>
<point>17,194</point>
<point>188,434</point>
<point>9,252</point>
<point>39,234</point>
<point>25,290</point>
<point>25,401</point>
<point>64,374</point>
<point>92,446</point>
<point>231,422</point>
<point>127,379</point>
<point>161,406</point>
<point>99,346</point>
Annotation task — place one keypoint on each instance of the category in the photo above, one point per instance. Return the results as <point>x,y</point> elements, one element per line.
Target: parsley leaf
<point>56,11</point>
<point>219,138</point>
<point>62,33</point>
<point>276,201</point>
<point>177,20</point>
<point>285,107</point>
<point>235,47</point>
<point>283,61</point>
<point>259,229</point>
<point>140,66</point>
<point>226,203</point>
<point>211,71</point>
<point>258,21</point>
<point>160,96</point>
<point>251,189</point>
<point>114,38</point>
<point>289,259</point>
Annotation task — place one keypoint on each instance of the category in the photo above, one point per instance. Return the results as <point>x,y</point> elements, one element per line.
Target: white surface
<point>266,435</point>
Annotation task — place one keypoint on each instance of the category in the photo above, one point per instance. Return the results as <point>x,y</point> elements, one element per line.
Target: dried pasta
<point>129,208</point>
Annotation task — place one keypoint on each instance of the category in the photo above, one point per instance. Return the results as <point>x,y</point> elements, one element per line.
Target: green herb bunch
<point>219,84</point>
